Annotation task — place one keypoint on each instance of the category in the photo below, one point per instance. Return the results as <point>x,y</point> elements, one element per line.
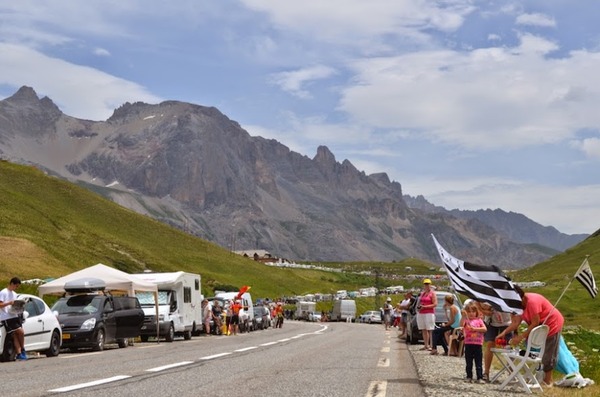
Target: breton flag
<point>586,278</point>
<point>481,282</point>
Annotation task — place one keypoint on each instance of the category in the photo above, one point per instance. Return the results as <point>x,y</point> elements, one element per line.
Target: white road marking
<point>377,388</point>
<point>383,362</point>
<point>79,355</point>
<point>284,340</point>
<point>215,356</point>
<point>89,384</point>
<point>269,343</point>
<point>246,349</point>
<point>385,349</point>
<point>157,369</point>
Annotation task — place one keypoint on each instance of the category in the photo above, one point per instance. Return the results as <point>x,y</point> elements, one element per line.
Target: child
<point>474,329</point>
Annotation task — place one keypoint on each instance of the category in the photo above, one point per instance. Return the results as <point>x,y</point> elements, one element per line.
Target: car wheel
<point>100,339</point>
<point>187,335</point>
<point>54,348</point>
<point>144,338</point>
<point>171,334</point>
<point>123,343</point>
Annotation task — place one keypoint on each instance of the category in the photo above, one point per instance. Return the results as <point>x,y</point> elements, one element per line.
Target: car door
<point>34,323</point>
<point>129,317</point>
<point>109,320</point>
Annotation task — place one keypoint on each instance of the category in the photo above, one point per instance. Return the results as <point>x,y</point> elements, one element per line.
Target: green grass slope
<point>49,228</point>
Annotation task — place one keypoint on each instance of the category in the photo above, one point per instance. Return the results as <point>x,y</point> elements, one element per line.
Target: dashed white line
<point>215,356</point>
<point>377,388</point>
<point>157,369</point>
<point>383,362</point>
<point>385,349</point>
<point>89,384</point>
<point>246,349</point>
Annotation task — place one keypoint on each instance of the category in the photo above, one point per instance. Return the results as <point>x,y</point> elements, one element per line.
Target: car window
<point>32,307</point>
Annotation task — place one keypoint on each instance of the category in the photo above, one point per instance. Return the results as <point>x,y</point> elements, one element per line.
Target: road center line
<point>246,349</point>
<point>157,369</point>
<point>215,356</point>
<point>89,384</point>
<point>377,388</point>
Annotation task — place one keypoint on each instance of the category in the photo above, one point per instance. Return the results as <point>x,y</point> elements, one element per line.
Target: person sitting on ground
<point>453,319</point>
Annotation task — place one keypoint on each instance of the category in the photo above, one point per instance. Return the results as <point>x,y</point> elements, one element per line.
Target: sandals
<point>434,353</point>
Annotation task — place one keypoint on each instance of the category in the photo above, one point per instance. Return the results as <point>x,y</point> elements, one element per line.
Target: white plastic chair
<point>522,368</point>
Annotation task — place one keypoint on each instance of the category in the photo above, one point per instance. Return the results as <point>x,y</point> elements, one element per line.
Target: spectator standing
<point>279,315</point>
<point>387,313</point>
<point>426,313</point>
<point>496,322</point>
<point>405,306</point>
<point>474,328</point>
<point>217,312</point>
<point>235,316</point>
<point>12,321</point>
<point>206,316</point>
<point>538,310</point>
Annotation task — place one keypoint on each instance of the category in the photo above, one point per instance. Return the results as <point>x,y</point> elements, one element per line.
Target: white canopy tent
<point>115,280</point>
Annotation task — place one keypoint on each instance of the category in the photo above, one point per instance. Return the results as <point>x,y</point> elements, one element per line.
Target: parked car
<point>314,316</point>
<point>370,317</point>
<point>42,330</point>
<point>262,317</point>
<point>413,335</point>
<point>90,318</point>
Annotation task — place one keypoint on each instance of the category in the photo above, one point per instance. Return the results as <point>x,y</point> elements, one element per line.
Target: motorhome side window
<point>187,294</point>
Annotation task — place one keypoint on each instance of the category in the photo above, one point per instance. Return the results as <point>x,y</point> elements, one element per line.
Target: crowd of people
<point>480,326</point>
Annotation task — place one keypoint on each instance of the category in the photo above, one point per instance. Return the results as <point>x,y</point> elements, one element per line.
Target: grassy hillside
<point>49,228</point>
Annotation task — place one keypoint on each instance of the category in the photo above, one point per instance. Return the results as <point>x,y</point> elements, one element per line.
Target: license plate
<point>66,336</point>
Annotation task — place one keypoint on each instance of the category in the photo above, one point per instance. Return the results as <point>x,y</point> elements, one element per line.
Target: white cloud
<point>66,82</point>
<point>102,52</point>
<point>487,98</point>
<point>293,82</point>
<point>536,19</point>
<point>590,147</point>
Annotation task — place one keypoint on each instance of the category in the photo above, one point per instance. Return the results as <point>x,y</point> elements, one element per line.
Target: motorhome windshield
<point>146,298</point>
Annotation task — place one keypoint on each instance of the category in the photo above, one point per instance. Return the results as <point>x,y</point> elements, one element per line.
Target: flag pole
<point>565,290</point>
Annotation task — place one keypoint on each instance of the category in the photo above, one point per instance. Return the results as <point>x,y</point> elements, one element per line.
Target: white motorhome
<point>179,305</point>
<point>303,309</point>
<point>343,310</point>
<point>247,305</point>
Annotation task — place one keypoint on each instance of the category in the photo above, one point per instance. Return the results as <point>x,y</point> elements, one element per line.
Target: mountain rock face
<point>194,168</point>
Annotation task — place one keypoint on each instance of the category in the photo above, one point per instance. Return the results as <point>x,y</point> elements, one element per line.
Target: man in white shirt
<point>12,321</point>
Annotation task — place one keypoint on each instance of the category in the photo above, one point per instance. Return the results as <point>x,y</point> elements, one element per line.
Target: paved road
<point>301,359</point>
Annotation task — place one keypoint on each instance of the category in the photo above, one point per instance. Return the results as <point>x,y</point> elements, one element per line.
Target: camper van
<point>343,310</point>
<point>179,301</point>
<point>247,305</point>
<point>303,309</point>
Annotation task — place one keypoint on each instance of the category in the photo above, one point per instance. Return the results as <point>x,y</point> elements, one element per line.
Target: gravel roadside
<point>443,376</point>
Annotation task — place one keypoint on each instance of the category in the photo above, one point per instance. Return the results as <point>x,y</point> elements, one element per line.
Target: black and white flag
<point>480,282</point>
<point>586,278</point>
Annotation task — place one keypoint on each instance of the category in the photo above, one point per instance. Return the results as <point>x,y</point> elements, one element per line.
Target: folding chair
<point>522,368</point>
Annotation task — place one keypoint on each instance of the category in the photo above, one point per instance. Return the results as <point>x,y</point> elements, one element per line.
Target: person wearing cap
<point>426,313</point>
<point>387,313</point>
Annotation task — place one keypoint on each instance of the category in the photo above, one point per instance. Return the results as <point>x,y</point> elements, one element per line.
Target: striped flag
<point>481,282</point>
<point>586,278</point>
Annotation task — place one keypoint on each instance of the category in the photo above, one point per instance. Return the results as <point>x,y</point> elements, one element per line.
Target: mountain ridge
<point>192,167</point>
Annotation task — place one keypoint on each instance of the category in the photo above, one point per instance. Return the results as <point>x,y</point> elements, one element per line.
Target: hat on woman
<point>427,281</point>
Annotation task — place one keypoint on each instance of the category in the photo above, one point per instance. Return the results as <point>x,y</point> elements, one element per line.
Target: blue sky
<point>473,104</point>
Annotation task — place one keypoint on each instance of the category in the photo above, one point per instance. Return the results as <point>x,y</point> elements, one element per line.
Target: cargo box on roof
<point>85,285</point>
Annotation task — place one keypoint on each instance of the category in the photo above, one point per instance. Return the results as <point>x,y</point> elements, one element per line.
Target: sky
<point>472,104</point>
